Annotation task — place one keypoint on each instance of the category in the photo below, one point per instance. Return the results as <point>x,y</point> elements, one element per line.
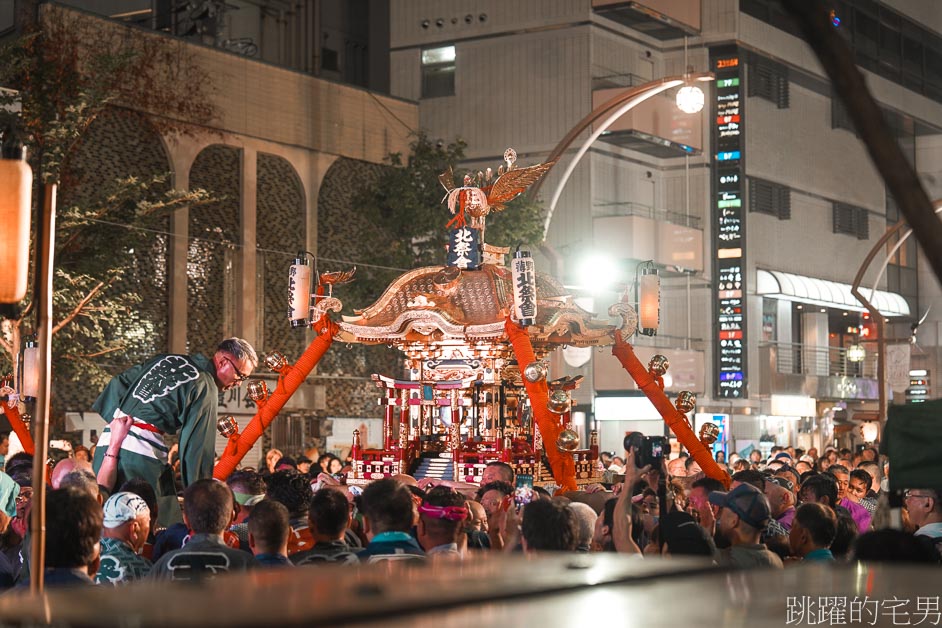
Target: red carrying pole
<point>289,382</point>
<point>563,465</point>
<point>19,427</point>
<point>674,418</point>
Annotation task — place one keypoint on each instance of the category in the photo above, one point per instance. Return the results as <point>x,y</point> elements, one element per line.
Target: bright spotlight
<point>599,273</point>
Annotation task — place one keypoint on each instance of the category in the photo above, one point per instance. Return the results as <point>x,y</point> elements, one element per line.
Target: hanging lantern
<point>649,300</point>
<point>535,371</point>
<point>299,291</point>
<point>257,390</point>
<point>227,426</point>
<point>856,353</point>
<point>686,401</point>
<point>16,182</point>
<point>276,362</point>
<point>870,430</point>
<point>558,402</point>
<point>658,365</point>
<point>30,383</point>
<point>568,440</point>
<point>524,278</point>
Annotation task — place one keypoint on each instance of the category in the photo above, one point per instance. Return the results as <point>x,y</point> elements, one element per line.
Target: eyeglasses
<point>909,494</point>
<point>240,376</point>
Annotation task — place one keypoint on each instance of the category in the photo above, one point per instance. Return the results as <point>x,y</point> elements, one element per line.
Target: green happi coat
<point>119,563</point>
<point>173,393</point>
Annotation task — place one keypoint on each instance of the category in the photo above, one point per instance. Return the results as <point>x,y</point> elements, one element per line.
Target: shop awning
<point>790,287</point>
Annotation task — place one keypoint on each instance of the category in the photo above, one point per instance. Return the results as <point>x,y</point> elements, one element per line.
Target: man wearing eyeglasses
<point>925,511</point>
<point>170,394</point>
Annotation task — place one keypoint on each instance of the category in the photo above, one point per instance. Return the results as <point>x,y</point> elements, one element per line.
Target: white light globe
<point>690,99</point>
<point>598,273</point>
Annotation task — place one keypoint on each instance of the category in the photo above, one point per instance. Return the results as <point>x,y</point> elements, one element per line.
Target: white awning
<point>779,285</point>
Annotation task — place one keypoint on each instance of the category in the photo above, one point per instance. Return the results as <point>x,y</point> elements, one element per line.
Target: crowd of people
<point>792,507</point>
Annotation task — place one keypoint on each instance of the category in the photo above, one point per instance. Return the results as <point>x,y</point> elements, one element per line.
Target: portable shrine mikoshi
<point>475,336</point>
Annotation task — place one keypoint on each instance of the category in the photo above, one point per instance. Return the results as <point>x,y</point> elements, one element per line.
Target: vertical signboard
<point>729,237</point>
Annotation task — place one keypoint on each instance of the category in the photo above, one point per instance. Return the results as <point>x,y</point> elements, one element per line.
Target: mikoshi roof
<point>444,303</point>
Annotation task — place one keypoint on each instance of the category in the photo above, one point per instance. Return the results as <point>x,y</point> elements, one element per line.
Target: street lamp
<point>613,109</point>
<point>690,99</point>
<point>878,318</point>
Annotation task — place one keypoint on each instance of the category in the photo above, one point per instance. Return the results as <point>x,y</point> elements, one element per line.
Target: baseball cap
<point>783,455</point>
<point>746,501</point>
<point>123,507</point>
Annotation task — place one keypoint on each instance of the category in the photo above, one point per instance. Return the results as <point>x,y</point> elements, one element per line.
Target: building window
<point>766,197</point>
<point>851,220</point>
<point>438,72</point>
<point>884,41</point>
<point>768,80</point>
<point>330,60</point>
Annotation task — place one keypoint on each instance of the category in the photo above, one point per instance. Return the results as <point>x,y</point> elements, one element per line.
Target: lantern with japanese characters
<point>524,283</point>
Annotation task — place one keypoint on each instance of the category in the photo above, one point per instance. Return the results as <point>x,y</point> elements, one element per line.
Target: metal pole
<point>43,296</point>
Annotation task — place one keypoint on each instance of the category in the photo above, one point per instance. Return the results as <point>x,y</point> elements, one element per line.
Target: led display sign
<point>729,291</point>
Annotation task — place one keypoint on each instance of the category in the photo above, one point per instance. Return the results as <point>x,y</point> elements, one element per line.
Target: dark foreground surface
<point>563,590</point>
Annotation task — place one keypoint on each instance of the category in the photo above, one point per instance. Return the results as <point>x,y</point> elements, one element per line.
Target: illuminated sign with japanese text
<point>728,183</point>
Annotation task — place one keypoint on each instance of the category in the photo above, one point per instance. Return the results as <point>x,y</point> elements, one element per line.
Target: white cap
<point>123,507</point>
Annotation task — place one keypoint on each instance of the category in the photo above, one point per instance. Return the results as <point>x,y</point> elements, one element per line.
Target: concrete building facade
<point>771,343</point>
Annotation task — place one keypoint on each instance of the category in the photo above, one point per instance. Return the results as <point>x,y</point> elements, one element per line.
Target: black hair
<point>808,474</point>
<point>863,476</point>
<point>291,489</point>
<point>247,482</point>
<point>820,522</point>
<point>388,505</point>
<point>143,489</point>
<point>269,525</point>
<point>846,533</point>
<point>822,485</point>
<point>710,484</point>
<point>18,463</point>
<point>443,496</point>
<point>207,505</point>
<point>329,512</point>
<point>73,523</point>
<point>501,487</point>
<point>750,476</point>
<point>549,525</point>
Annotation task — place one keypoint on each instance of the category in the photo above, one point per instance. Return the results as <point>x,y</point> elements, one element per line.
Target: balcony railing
<point>798,359</point>
<point>629,208</point>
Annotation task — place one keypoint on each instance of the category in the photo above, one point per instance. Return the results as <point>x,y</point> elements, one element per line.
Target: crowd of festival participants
<point>792,507</point>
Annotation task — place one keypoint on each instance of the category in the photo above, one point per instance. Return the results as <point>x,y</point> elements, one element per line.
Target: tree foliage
<point>65,75</point>
<point>405,209</point>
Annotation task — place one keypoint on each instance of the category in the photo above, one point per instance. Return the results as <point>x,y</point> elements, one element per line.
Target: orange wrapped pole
<point>674,418</point>
<point>288,382</point>
<point>563,465</point>
<point>12,411</point>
